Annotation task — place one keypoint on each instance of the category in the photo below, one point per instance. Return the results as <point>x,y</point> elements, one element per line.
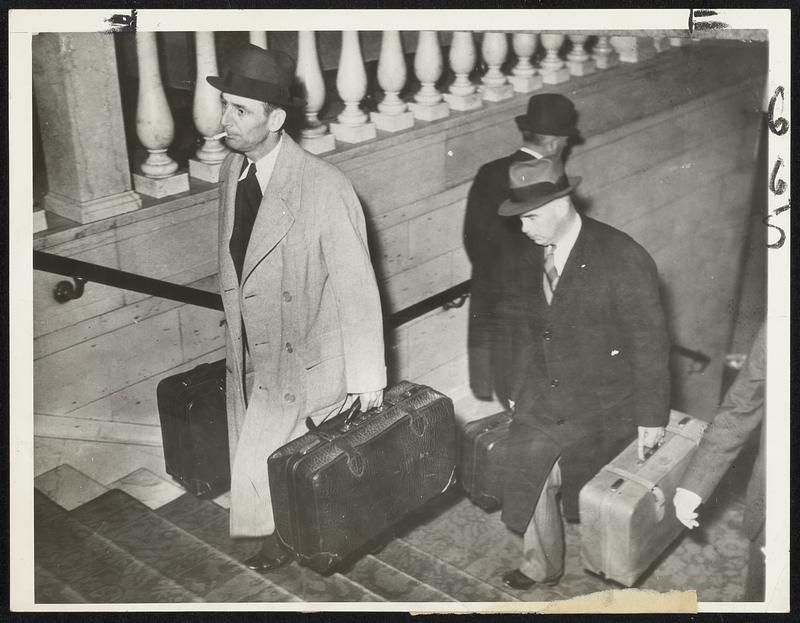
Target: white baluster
<point>661,44</point>
<point>428,104</point>
<point>207,112</point>
<point>393,114</point>
<point>494,49</point>
<point>523,75</point>
<point>633,49</point>
<point>578,59</point>
<point>552,68</point>
<point>351,83</point>
<point>258,38</point>
<point>603,54</point>
<point>463,94</point>
<point>314,136</point>
<point>154,126</point>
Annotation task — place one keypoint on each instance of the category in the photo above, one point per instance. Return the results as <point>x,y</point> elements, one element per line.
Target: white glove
<point>686,503</point>
<point>649,437</point>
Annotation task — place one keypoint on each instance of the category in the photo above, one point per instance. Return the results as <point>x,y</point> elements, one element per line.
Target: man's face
<point>246,121</point>
<point>544,224</point>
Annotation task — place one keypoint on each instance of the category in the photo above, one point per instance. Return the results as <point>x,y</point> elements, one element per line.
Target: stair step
<point>392,583</point>
<point>209,522</point>
<point>439,574</point>
<point>48,589</point>
<point>93,566</point>
<point>174,552</point>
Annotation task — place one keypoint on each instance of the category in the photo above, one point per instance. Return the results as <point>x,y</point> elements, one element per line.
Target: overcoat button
<point>289,348</point>
<point>547,334</point>
<point>554,383</point>
<point>287,296</point>
<point>289,397</point>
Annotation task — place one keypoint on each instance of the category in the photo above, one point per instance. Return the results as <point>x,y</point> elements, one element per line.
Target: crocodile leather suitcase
<point>194,429</point>
<point>343,486</point>
<point>481,463</point>
<point>626,512</point>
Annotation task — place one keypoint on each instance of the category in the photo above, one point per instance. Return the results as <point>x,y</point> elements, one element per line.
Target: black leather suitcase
<point>343,486</point>
<point>194,429</point>
<point>481,464</point>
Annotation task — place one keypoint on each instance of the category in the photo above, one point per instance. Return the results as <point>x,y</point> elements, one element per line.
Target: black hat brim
<point>248,89</point>
<point>524,124</point>
<point>515,208</point>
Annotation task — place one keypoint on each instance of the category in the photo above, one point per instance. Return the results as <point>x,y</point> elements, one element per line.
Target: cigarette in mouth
<point>216,137</point>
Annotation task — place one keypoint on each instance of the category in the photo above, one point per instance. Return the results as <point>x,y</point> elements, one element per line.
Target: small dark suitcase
<point>194,429</point>
<point>627,516</point>
<point>345,484</point>
<point>481,463</point>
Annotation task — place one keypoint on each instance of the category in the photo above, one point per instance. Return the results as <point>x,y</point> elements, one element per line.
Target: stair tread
<point>48,589</point>
<point>86,561</point>
<point>212,528</point>
<point>171,550</point>
<point>440,574</point>
<point>392,583</point>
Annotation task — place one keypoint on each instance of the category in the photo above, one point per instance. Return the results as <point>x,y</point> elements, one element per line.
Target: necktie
<point>550,272</point>
<point>248,198</point>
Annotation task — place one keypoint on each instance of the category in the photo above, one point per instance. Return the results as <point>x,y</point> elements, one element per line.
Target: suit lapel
<point>275,215</point>
<point>228,278</point>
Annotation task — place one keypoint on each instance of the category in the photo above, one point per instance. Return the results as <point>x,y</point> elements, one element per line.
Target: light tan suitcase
<point>626,512</point>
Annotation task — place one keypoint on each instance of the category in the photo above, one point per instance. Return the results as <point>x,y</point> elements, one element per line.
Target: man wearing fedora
<point>304,321</point>
<point>547,126</point>
<point>590,356</point>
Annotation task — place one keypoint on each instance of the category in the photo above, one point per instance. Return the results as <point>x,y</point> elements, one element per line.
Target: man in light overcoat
<point>304,320</point>
<point>590,353</point>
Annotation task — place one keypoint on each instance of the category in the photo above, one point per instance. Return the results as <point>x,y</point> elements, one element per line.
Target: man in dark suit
<point>739,417</point>
<point>549,123</point>
<point>590,352</point>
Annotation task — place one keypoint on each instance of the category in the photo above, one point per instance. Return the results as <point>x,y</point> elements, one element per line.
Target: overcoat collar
<point>275,213</point>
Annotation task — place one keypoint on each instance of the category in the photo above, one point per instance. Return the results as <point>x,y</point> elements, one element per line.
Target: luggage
<point>481,464</point>
<point>626,512</point>
<point>194,429</point>
<point>345,484</point>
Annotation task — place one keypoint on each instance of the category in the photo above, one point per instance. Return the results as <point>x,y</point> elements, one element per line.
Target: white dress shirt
<point>565,243</point>
<point>264,166</point>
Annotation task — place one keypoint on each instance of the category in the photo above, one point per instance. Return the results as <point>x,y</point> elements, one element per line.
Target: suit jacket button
<point>287,296</point>
<point>289,397</point>
<point>547,334</point>
<point>289,348</point>
<point>554,383</point>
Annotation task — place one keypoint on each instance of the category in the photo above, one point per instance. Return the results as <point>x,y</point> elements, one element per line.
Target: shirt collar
<point>264,166</point>
<point>565,243</point>
<point>532,152</point>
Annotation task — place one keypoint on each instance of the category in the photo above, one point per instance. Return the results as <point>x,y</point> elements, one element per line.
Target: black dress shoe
<point>519,581</point>
<point>263,563</point>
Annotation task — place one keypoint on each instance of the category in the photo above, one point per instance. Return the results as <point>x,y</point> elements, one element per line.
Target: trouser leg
<point>543,541</point>
<point>754,584</point>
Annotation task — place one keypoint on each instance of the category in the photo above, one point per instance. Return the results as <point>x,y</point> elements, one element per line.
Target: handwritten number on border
<point>778,126</point>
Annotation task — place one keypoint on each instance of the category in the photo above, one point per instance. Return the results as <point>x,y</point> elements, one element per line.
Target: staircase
<point>114,549</point>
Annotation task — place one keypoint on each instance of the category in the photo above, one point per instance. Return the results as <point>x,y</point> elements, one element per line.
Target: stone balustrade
<point>481,68</point>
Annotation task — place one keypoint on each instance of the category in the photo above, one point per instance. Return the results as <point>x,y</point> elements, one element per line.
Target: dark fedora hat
<point>549,113</point>
<point>264,75</point>
<point>534,183</point>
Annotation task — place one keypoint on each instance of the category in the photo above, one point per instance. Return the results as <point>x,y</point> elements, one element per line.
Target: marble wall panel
<point>416,284</point>
<point>49,315</point>
<point>389,250</point>
<point>87,371</point>
<point>437,338</point>
<point>436,232</point>
<point>202,330</point>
